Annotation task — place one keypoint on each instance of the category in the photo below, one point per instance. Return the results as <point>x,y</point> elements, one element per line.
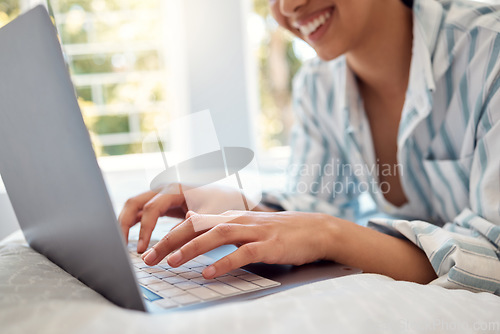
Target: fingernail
<point>140,245</point>
<point>209,272</point>
<point>151,257</point>
<point>146,253</point>
<point>175,258</point>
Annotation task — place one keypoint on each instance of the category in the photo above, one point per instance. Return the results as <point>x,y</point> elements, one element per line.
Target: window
<point>116,51</point>
<point>279,56</point>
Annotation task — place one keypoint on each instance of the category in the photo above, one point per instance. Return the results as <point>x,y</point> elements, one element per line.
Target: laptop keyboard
<point>170,287</point>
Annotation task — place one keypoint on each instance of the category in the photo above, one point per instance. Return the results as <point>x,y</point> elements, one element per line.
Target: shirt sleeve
<point>465,253</point>
<point>310,184</point>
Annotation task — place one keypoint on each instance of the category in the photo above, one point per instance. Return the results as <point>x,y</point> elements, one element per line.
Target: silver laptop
<point>59,196</point>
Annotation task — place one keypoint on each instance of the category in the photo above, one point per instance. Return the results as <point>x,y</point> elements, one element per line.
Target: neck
<point>381,60</point>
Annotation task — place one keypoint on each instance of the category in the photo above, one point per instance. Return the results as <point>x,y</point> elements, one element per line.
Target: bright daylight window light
<point>117,56</point>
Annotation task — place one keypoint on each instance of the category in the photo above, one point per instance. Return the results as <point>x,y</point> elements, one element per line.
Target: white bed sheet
<point>36,296</point>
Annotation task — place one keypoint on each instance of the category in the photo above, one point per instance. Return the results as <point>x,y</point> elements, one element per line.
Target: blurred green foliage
<point>112,28</point>
<point>9,9</point>
<point>275,51</point>
<point>110,124</point>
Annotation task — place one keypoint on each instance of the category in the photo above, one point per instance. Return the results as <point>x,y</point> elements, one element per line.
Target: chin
<point>331,50</point>
<point>327,55</point>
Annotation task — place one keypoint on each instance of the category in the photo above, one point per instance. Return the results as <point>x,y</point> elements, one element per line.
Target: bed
<point>36,296</point>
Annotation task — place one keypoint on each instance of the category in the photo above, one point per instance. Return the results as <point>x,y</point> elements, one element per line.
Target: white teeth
<point>312,26</point>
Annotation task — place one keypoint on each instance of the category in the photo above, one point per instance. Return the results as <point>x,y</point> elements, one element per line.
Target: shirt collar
<point>427,20</point>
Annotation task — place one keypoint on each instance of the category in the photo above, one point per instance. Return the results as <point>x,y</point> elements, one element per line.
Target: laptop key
<point>174,279</point>
<point>134,259</point>
<point>238,272</point>
<point>165,303</point>
<point>153,270</point>
<point>186,285</point>
<point>160,286</point>
<point>264,282</point>
<point>164,274</point>
<point>185,299</point>
<point>201,280</point>
<point>250,277</point>
<point>149,280</point>
<point>140,265</point>
<point>192,264</point>
<point>164,265</point>
<point>203,259</point>
<point>141,274</point>
<point>222,288</point>
<point>238,283</point>
<point>204,293</point>
<point>190,275</point>
<point>179,270</point>
<point>172,292</point>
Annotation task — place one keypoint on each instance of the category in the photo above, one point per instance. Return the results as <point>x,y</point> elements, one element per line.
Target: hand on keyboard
<point>275,238</point>
<point>171,201</point>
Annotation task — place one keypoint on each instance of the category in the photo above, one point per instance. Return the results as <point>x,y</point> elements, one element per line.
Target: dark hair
<point>408,3</point>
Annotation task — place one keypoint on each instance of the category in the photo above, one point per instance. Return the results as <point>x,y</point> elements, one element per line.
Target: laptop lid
<point>49,167</point>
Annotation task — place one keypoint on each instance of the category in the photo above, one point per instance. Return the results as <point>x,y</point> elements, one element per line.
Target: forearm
<point>375,252</point>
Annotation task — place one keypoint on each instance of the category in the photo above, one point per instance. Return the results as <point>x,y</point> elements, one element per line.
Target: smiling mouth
<point>312,26</point>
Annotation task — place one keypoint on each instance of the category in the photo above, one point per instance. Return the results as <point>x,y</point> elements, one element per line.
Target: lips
<point>309,26</point>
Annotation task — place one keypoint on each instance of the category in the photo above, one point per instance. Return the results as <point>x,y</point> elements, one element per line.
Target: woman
<point>405,95</point>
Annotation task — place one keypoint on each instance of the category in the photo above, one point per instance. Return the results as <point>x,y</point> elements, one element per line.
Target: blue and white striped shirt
<point>448,144</point>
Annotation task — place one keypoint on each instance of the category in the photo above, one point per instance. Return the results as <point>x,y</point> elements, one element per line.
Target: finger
<point>195,225</point>
<point>205,222</point>
<point>246,254</point>
<point>170,242</point>
<point>202,222</point>
<point>153,210</point>
<point>188,215</point>
<point>137,220</point>
<point>222,234</point>
<point>128,215</point>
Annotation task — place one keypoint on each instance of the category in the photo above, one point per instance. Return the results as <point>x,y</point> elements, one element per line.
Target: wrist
<point>331,236</point>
